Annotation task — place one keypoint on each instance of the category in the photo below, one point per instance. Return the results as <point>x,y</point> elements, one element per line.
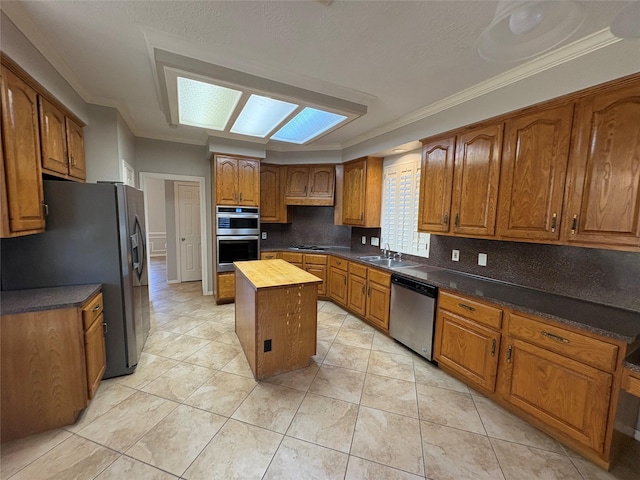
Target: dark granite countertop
<point>38,299</point>
<point>615,323</point>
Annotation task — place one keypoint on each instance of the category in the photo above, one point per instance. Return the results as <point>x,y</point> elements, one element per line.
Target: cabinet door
<point>321,272</point>
<point>338,285</point>
<point>226,180</point>
<point>95,355</point>
<point>467,348</point>
<point>22,185</point>
<point>567,395</point>
<point>53,139</point>
<point>75,144</point>
<point>321,182</point>
<point>297,182</point>
<point>354,193</point>
<point>436,184</point>
<point>534,166</point>
<point>270,199</point>
<point>604,170</point>
<point>226,286</point>
<point>378,299</point>
<point>476,176</point>
<point>249,183</point>
<point>357,294</point>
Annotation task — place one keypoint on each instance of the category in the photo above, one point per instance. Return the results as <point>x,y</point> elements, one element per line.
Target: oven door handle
<point>238,237</point>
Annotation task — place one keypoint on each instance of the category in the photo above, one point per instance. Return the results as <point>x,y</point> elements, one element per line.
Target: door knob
<point>183,239</point>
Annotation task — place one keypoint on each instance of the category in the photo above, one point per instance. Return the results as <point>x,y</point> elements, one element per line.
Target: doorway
<point>198,245</point>
<point>187,198</point>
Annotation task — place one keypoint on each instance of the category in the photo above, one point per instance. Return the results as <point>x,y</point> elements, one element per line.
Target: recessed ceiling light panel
<point>261,115</point>
<point>205,105</point>
<point>308,124</point>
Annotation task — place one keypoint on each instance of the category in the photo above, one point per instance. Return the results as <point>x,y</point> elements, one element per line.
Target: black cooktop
<point>306,247</point>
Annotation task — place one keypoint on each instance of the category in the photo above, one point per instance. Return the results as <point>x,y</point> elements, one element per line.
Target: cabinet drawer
<point>481,313</point>
<point>381,278</point>
<point>313,259</point>
<point>588,350</point>
<point>270,255</point>
<point>357,269</point>
<point>631,382</point>
<point>292,257</point>
<point>92,311</point>
<point>338,263</point>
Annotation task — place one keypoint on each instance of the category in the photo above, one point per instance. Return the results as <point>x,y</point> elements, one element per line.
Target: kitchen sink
<point>387,262</point>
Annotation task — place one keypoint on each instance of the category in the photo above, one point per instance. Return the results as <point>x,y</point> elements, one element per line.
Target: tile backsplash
<point>309,226</point>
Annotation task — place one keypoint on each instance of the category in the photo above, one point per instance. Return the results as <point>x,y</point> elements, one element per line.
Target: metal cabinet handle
<point>45,209</point>
<point>97,307</point>
<point>345,280</point>
<point>361,215</point>
<point>445,219</point>
<point>305,190</point>
<point>574,224</point>
<point>456,222</point>
<point>466,307</point>
<point>493,347</point>
<point>369,292</point>
<point>363,290</point>
<point>509,353</point>
<point>554,219</point>
<point>104,327</point>
<point>240,196</point>
<point>555,337</point>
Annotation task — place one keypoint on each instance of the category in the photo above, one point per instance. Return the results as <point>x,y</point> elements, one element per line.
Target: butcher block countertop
<point>38,299</point>
<point>274,273</point>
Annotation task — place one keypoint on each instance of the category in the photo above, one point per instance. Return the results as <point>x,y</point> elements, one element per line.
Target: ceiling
<point>395,57</point>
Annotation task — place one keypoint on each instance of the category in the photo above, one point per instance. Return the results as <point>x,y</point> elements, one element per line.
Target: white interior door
<point>188,210</point>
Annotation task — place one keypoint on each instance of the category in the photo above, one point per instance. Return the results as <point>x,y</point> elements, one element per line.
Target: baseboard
<point>173,281</point>
<point>210,292</point>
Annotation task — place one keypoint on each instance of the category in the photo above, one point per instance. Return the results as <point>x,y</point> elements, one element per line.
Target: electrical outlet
<point>264,235</point>
<point>364,239</point>
<point>455,255</point>
<point>375,241</point>
<point>482,259</point>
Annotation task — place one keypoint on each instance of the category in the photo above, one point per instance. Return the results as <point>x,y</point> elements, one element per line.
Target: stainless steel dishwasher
<point>413,312</point>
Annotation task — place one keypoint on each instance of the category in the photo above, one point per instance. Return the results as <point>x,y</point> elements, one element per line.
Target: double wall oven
<point>237,236</point>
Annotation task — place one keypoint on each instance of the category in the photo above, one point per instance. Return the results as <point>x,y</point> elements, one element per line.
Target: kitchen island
<point>276,315</point>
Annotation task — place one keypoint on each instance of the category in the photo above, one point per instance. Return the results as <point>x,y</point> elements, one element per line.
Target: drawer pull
<point>554,219</point>
<point>96,308</point>
<point>493,347</point>
<point>557,338</point>
<point>509,353</point>
<point>574,224</point>
<point>466,307</point>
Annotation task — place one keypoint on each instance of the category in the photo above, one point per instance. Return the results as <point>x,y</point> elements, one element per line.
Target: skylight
<point>205,105</point>
<point>261,115</point>
<point>308,124</point>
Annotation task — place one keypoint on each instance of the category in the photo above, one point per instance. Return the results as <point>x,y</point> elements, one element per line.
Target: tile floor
<point>365,408</point>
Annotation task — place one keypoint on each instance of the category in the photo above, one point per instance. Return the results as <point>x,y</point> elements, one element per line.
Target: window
<point>400,197</point>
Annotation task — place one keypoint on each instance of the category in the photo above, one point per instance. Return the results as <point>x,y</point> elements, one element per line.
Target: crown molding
<point>584,46</point>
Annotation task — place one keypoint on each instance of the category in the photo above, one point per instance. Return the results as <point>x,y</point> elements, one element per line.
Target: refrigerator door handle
<point>138,248</point>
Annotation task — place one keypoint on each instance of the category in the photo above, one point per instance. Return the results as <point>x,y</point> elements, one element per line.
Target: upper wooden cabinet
<point>475,180</point>
<point>534,166</point>
<point>310,185</point>
<point>272,206</point>
<point>362,192</point>
<point>237,180</point>
<point>603,198</point>
<point>436,184</point>
<point>21,202</point>
<point>62,143</point>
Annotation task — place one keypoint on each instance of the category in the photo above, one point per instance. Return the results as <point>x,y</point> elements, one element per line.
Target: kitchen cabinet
<point>631,381</point>
<point>603,198</point>
<point>225,287</point>
<point>310,185</point>
<point>562,380</point>
<point>236,180</point>
<point>293,258</point>
<point>317,265</point>
<point>338,280</point>
<point>369,293</point>
<point>467,339</point>
<point>270,255</point>
<point>533,173</point>
<point>94,348</point>
<point>436,184</point>
<point>475,180</point>
<point>62,143</point>
<point>549,373</point>
<point>362,192</point>
<point>272,206</point>
<point>21,194</point>
<point>53,361</point>
<point>357,288</point>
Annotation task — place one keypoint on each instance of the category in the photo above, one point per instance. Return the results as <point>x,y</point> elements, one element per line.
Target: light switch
<point>482,259</point>
<point>455,255</point>
<point>264,235</point>
<point>364,239</point>
<point>375,241</point>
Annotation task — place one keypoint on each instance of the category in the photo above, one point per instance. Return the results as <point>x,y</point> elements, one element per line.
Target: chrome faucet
<point>386,250</point>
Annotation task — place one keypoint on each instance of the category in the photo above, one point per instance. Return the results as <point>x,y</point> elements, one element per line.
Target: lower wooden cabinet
<point>357,288</point>
<point>317,265</point>
<point>226,287</point>
<point>338,280</point>
<point>559,379</point>
<point>52,362</point>
<point>378,298</point>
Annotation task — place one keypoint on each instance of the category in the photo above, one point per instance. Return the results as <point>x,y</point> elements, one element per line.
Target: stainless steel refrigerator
<point>95,233</point>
